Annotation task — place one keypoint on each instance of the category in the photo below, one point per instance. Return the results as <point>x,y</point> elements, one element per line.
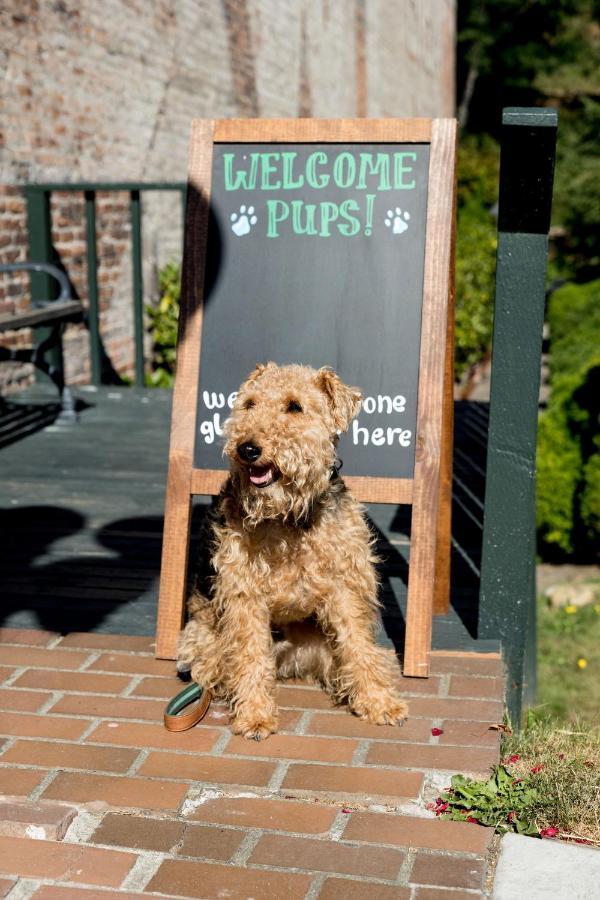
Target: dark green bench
<point>50,314</point>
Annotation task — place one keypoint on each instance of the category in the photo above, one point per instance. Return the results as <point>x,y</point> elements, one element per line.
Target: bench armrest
<point>65,287</point>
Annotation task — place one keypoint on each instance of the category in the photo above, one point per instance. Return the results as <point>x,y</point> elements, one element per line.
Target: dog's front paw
<point>381,710</point>
<point>254,728</point>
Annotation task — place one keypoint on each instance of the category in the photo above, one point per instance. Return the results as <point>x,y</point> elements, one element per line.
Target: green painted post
<point>42,285</point>
<point>507,591</point>
<point>92,278</point>
<point>138,286</point>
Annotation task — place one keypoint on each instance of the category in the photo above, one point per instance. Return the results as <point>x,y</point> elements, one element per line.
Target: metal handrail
<point>39,227</point>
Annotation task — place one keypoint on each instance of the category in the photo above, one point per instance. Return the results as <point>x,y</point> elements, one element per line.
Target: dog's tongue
<point>260,475</point>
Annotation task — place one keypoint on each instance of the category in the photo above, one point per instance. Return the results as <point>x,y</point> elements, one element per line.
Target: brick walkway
<point>328,808</point>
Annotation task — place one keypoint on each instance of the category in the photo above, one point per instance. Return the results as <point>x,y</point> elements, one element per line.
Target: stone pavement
<point>99,801</point>
<point>542,869</point>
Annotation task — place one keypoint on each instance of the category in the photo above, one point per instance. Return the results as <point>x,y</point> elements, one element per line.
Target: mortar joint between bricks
<point>135,765</point>
<point>276,779</point>
<point>93,656</point>
<point>303,722</point>
<point>12,678</point>
<point>44,783</point>
<point>435,738</point>
<point>316,885</point>
<point>244,851</point>
<point>54,697</point>
<point>444,688</point>
<point>89,730</point>
<point>143,871</point>
<point>406,867</point>
<point>221,742</point>
<point>129,688</point>
<point>339,825</point>
<point>360,754</point>
<point>23,889</point>
<point>9,742</point>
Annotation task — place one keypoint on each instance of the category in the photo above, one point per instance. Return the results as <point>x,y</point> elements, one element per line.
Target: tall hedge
<point>568,481</point>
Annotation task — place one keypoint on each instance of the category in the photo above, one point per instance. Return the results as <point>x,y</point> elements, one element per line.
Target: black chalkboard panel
<point>316,255</point>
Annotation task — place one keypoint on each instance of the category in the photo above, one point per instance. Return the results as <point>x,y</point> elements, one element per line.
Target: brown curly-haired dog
<point>294,592</point>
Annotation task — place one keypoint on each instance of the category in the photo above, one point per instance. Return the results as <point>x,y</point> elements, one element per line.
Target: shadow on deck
<point>81,517</point>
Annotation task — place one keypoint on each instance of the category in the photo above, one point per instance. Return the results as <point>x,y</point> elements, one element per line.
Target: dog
<point>294,587</point>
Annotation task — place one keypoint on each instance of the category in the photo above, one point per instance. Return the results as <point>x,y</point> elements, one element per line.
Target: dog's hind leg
<point>304,653</point>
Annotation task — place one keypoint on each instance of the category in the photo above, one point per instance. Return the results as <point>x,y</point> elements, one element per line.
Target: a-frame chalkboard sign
<point>325,242</point>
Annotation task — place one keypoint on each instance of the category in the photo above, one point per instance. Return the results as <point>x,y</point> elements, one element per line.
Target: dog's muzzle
<point>249,452</point>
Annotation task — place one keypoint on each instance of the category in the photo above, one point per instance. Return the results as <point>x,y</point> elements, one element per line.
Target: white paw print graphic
<point>397,220</point>
<point>242,222</point>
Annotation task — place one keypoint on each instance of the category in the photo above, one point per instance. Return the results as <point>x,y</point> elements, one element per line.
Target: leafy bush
<point>164,318</point>
<point>475,250</point>
<point>568,498</point>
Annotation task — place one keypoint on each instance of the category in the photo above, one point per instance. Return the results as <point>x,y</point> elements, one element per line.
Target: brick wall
<point>106,91</point>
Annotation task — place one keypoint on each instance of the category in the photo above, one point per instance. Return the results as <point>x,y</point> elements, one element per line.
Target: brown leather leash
<point>175,719</point>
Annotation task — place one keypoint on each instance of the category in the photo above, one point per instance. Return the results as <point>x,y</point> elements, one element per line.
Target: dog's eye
<point>249,404</point>
<point>293,407</point>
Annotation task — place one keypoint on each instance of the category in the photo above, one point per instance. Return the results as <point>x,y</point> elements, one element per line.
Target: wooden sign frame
<point>429,490</point>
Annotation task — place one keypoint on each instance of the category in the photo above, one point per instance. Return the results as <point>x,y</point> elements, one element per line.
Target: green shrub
<point>568,491</point>
<point>164,318</point>
<point>475,250</point>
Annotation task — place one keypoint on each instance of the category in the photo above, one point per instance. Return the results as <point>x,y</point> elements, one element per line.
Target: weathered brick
<point>469,734</point>
<point>52,892</point>
<point>93,641</point>
<point>47,754</point>
<point>136,793</point>
<point>336,888</point>
<point>352,780</point>
<point>428,756</point>
<point>73,681</point>
<point>139,832</point>
<point>35,819</point>
<point>327,856</point>
<point>109,707</point>
<point>476,686</point>
<point>410,831</point>
<point>42,726</point>
<point>29,636</point>
<point>24,701</point>
<point>283,746</point>
<point>350,726</point>
<point>276,815</point>
<point>212,769</point>
<point>19,782</point>
<point>451,707</point>
<point>6,884</point>
<point>41,658</point>
<point>133,663</point>
<point>136,734</point>
<point>211,843</point>
<point>60,861</point>
<point>447,871</point>
<point>212,882</point>
<point>466,664</point>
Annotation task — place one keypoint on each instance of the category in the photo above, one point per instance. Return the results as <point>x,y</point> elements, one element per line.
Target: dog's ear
<point>257,372</point>
<point>344,401</point>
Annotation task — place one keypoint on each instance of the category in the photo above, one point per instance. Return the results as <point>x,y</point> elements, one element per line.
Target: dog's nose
<point>249,452</point>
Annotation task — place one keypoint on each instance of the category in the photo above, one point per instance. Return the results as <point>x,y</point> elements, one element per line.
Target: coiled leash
<point>175,719</point>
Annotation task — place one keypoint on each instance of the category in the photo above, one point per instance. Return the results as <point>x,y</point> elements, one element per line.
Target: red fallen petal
<point>537,769</point>
<point>512,816</point>
<point>514,758</point>
<point>581,841</point>
<point>561,755</point>
<point>589,764</point>
<point>346,812</point>
<point>549,832</point>
<point>517,780</point>
<point>472,820</point>
<point>437,731</point>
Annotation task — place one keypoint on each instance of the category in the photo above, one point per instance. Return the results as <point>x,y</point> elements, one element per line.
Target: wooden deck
<point>81,511</point>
